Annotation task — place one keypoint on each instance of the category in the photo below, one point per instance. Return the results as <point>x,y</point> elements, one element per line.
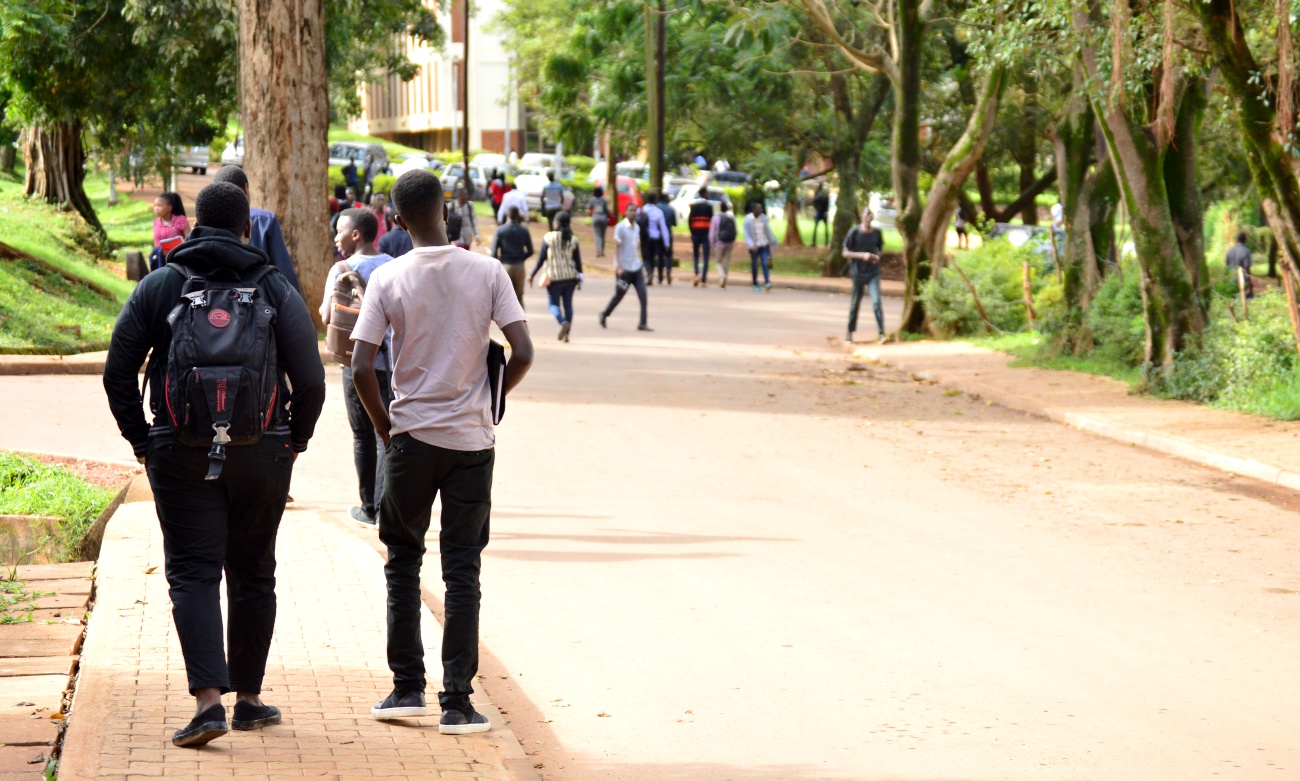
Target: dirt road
<point>722,551</point>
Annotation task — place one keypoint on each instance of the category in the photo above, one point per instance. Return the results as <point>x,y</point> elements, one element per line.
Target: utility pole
<point>652,102</point>
<point>464,80</point>
<point>657,166</point>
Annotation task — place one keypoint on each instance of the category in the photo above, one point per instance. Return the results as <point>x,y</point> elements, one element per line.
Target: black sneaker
<point>602,319</point>
<point>249,716</point>
<point>205,728</point>
<point>361,517</point>
<point>455,722</point>
<point>644,328</point>
<point>400,706</point>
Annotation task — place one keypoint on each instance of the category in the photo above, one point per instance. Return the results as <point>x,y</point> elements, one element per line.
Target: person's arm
<point>299,355</point>
<point>577,258</point>
<point>713,229</point>
<point>521,353</point>
<point>330,279</point>
<point>185,227</point>
<point>748,229</point>
<point>541,260</point>
<point>127,351</point>
<point>528,242</point>
<point>496,245</point>
<point>473,220</point>
<point>367,385</point>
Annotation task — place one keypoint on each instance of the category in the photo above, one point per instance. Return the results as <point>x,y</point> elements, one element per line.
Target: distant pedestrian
<point>698,219</point>
<point>963,239</point>
<point>700,162</point>
<point>396,242</point>
<point>722,237</point>
<point>630,270</point>
<point>379,207</point>
<point>170,227</point>
<point>219,473</point>
<point>666,250</point>
<point>652,241</point>
<point>512,244</point>
<point>350,176</point>
<point>552,199</point>
<point>350,199</point>
<point>497,190</point>
<point>821,214</point>
<point>371,171</point>
<point>514,198</point>
<point>563,275</point>
<point>440,302</point>
<point>464,209</point>
<point>598,207</point>
<point>862,247</point>
<point>355,240</point>
<point>1239,258</point>
<point>265,228</point>
<point>759,239</point>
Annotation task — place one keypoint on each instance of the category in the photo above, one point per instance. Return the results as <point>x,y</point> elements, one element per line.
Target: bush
<point>995,270</point>
<point>581,163</point>
<point>336,178</point>
<point>1115,317</point>
<point>383,183</point>
<point>1245,365</point>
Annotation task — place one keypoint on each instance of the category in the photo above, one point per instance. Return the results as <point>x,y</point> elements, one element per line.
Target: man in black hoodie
<point>228,522</point>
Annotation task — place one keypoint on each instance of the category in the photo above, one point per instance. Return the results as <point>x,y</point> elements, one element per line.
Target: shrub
<point>383,183</point>
<point>995,270</point>
<point>581,163</point>
<point>336,178</point>
<point>1115,317</point>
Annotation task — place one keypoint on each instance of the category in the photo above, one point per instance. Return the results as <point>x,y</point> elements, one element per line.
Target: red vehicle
<point>628,194</point>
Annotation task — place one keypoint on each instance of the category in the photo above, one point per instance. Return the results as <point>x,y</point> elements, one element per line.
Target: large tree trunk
<point>848,158</point>
<point>284,103</point>
<point>7,159</point>
<point>1087,193</point>
<point>1026,154</point>
<point>55,161</point>
<point>1185,192</point>
<point>906,154</point>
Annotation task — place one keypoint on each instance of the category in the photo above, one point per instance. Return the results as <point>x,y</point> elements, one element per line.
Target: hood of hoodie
<point>215,248</point>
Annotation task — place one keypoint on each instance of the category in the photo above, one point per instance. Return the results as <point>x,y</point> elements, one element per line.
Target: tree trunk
<point>284,103</point>
<point>848,158</point>
<point>988,204</point>
<point>793,238</point>
<point>7,158</point>
<point>906,154</point>
<point>1087,193</point>
<point>55,161</point>
<point>1027,151</point>
<point>1185,192</point>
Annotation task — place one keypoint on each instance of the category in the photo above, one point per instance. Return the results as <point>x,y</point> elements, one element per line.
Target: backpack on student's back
<point>220,382</point>
<point>726,229</point>
<point>454,223</point>
<point>344,309</point>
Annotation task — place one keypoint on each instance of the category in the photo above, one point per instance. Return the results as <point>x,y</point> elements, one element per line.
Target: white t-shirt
<point>628,236</point>
<point>440,302</point>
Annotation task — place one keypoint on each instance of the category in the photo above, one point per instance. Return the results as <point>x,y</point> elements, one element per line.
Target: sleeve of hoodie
<point>299,355</point>
<point>144,315</point>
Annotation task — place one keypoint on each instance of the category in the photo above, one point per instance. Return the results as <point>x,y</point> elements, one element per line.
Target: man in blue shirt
<point>264,226</point>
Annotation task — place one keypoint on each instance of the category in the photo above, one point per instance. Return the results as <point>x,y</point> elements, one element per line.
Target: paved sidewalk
<point>1235,442</point>
<point>327,667</point>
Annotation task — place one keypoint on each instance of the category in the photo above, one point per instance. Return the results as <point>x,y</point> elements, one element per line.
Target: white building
<point>427,112</point>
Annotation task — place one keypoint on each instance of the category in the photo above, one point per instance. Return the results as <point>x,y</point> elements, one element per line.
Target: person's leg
<point>765,255</point>
<point>724,262</point>
<point>553,302</point>
<point>385,379</point>
<point>874,287</point>
<point>639,282</point>
<point>192,513</point>
<point>411,475</point>
<point>855,303</point>
<point>695,251</point>
<point>256,480</point>
<point>620,290</point>
<point>466,507</point>
<point>704,267</point>
<point>753,266</point>
<point>567,294</point>
<point>648,255</point>
<point>364,455</point>
<point>517,277</point>
<point>599,227</point>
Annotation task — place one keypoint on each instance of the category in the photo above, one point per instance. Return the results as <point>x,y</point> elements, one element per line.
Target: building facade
<point>428,111</point>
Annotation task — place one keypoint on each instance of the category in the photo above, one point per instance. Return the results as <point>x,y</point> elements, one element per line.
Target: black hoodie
<point>142,326</point>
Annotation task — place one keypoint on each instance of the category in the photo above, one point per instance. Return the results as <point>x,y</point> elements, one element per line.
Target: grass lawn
<point>1028,349</point>
<point>28,487</point>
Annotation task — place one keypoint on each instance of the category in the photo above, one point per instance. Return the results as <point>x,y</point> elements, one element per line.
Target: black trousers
<point>209,525</point>
<point>415,472</point>
<point>651,253</point>
<point>700,244</point>
<point>367,447</point>
<point>623,281</point>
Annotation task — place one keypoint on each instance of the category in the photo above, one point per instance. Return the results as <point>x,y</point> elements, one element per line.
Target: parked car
<point>452,174</point>
<point>681,203</point>
<point>531,184</point>
<point>356,151</point>
<point>634,169</point>
<point>194,158</point>
<point>233,154</point>
<point>416,161</point>
<point>729,178</point>
<point>490,162</point>
<point>628,194</point>
<point>547,161</point>
<point>674,185</point>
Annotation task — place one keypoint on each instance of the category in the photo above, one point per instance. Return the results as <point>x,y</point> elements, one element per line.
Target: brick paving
<point>326,668</point>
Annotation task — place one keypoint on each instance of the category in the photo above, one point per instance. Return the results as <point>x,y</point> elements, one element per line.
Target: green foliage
<point>1223,221</point>
<point>581,163</point>
<point>996,270</point>
<point>1115,318</point>
<point>383,183</point>
<point>336,178</point>
<point>1244,365</point>
<point>28,487</point>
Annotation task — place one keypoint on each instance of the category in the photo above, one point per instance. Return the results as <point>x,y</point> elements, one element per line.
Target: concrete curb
<point>83,363</point>
<point>1162,443</point>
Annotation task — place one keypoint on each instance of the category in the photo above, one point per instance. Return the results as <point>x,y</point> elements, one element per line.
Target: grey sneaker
<point>361,517</point>
<point>456,723</point>
<point>400,706</point>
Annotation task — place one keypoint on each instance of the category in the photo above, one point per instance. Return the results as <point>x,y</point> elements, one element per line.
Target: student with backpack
<point>552,199</point>
<point>563,262</point>
<point>345,290</point>
<point>235,387</point>
<point>439,301</point>
<point>862,247</point>
<point>698,219</point>
<point>722,237</point>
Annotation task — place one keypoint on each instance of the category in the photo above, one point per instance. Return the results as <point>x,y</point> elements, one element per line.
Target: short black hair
<point>515,215</point>
<point>597,191</point>
<point>418,196</point>
<point>363,220</point>
<point>340,191</point>
<point>1241,237</point>
<point>222,205</point>
<point>652,197</point>
<point>233,174</point>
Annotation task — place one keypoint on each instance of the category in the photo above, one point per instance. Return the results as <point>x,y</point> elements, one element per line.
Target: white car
<point>356,151</point>
<point>194,158</point>
<point>489,161</point>
<point>451,178</point>
<point>545,161</point>
<point>531,186</point>
<point>233,154</point>
<point>413,161</point>
<point>633,168</point>
<point>681,204</point>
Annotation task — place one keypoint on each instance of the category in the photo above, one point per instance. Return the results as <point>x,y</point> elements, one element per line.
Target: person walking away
<point>512,245</point>
<point>265,228</point>
<point>652,242</point>
<point>563,263</point>
<point>170,227</point>
<point>1239,258</point>
<point>552,199</point>
<point>722,237</point>
<point>862,247</point>
<point>598,208</point>
<point>219,498</point>
<point>467,237</point>
<point>396,242</point>
<point>355,240</point>
<point>371,170</point>
<point>350,176</point>
<point>514,198</point>
<point>666,250</point>
<point>629,268</point>
<point>698,219</point>
<point>821,213</point>
<point>496,190</point>
<point>440,302</point>
<point>963,239</point>
<point>567,201</point>
<point>759,239</point>
<point>379,206</point>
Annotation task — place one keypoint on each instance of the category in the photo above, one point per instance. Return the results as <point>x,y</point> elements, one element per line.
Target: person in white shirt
<point>630,269</point>
<point>439,302</point>
<point>515,198</point>
<point>759,239</point>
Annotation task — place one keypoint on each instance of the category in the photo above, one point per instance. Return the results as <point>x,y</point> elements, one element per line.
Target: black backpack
<point>221,378</point>
<point>454,222</point>
<point>727,229</point>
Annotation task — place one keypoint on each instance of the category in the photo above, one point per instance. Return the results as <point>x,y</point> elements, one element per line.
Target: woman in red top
<point>170,227</point>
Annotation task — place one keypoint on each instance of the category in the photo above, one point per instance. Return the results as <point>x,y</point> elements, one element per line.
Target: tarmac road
<point>721,551</point>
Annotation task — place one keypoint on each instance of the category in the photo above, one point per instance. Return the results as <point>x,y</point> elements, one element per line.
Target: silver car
<point>194,158</point>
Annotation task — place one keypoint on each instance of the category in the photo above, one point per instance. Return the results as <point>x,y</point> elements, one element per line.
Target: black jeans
<point>415,472</point>
<point>229,523</point>
<point>651,250</point>
<point>623,281</point>
<point>367,447</point>
<point>700,243</point>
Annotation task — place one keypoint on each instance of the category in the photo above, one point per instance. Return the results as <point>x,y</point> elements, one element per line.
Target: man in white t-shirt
<point>629,270</point>
<point>439,301</point>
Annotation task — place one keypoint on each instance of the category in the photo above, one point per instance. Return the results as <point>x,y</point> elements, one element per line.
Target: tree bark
<point>984,183</point>
<point>906,154</point>
<point>7,159</point>
<point>1087,194</point>
<point>285,108</point>
<point>1184,191</point>
<point>1027,155</point>
<point>848,159</point>
<point>55,159</point>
